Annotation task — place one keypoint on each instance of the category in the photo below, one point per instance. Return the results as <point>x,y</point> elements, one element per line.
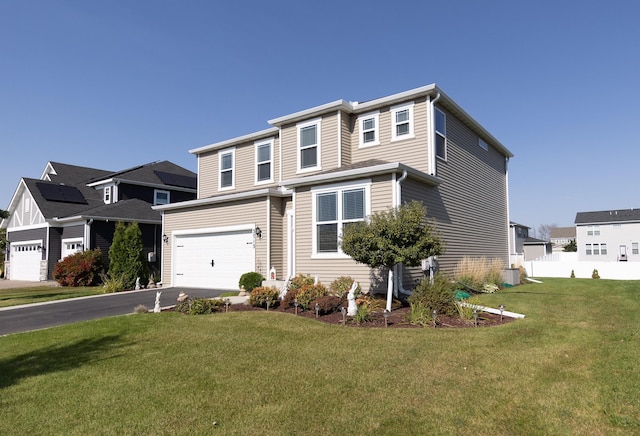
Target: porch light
<point>165,238</point>
<point>258,232</point>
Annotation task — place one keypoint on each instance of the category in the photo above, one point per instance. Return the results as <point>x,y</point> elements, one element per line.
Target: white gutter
<point>398,268</point>
<point>432,135</point>
<point>339,139</point>
<point>87,234</point>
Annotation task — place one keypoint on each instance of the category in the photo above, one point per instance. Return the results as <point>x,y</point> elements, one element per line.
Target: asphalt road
<point>44,315</point>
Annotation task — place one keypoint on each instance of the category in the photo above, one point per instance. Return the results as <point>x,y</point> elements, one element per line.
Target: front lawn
<point>38,294</point>
<point>571,366</point>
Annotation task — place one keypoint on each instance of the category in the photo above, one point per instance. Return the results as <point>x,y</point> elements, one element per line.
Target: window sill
<point>402,138</point>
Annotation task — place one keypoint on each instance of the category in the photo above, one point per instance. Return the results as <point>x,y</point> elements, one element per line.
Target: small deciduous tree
<point>126,255</point>
<point>400,235</point>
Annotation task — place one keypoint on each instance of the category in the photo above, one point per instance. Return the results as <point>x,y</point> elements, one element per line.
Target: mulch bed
<point>397,318</point>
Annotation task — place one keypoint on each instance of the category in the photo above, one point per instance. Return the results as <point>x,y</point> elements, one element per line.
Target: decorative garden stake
<point>344,315</point>
<point>295,304</point>
<point>268,303</point>
<point>475,317</point>
<point>435,318</point>
<point>227,302</point>
<point>386,317</point>
<point>501,310</point>
<point>351,297</point>
<point>317,310</point>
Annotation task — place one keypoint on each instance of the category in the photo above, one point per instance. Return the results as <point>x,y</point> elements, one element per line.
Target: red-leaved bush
<point>79,269</point>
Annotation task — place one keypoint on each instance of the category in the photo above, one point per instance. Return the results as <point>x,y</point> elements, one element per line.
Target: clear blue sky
<point>113,84</point>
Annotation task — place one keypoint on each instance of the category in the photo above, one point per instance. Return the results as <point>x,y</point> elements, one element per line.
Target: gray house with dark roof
<point>611,235</point>
<point>73,208</point>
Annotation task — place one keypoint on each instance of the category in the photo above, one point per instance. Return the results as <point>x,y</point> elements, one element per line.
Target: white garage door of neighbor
<point>213,260</point>
<point>25,262</point>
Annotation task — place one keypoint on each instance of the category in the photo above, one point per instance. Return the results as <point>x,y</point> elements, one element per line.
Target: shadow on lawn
<point>55,358</point>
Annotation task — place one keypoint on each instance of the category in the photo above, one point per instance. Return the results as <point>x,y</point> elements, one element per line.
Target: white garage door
<point>213,260</point>
<point>25,261</point>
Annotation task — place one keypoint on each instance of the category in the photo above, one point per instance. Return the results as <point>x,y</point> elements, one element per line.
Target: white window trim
<point>222,153</point>
<point>300,126</point>
<point>106,195</point>
<point>361,119</point>
<point>160,191</point>
<point>257,145</point>
<point>64,253</point>
<point>339,188</point>
<point>442,134</point>
<point>394,111</point>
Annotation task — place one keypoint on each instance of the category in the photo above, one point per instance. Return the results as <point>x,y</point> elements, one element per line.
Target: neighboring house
<point>561,236</point>
<point>608,235</point>
<point>72,208</point>
<point>281,196</point>
<point>536,248</point>
<point>518,233</point>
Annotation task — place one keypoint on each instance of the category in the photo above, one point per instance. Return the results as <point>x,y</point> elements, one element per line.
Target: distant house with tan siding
<point>280,197</point>
<point>561,236</point>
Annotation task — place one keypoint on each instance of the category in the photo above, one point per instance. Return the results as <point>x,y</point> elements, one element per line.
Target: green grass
<point>38,294</point>
<point>571,366</point>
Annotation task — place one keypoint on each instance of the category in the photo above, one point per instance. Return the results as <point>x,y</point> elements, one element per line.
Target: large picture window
<point>335,208</point>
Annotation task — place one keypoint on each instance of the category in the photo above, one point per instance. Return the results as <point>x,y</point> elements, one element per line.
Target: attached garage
<point>212,258</point>
<point>24,263</point>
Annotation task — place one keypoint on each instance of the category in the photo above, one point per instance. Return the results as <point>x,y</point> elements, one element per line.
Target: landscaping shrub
<point>289,298</point>
<point>523,275</point>
<point>250,280</point>
<point>439,295</point>
<point>363,314</point>
<point>573,274</point>
<point>340,286</point>
<point>328,304</point>
<point>419,314</point>
<point>307,293</point>
<point>259,296</point>
<point>126,255</point>
<point>478,271</point>
<point>300,280</point>
<point>111,284</point>
<point>80,269</point>
<point>595,275</point>
<point>199,306</point>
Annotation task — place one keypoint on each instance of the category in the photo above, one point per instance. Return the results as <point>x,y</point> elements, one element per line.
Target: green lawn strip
<point>570,366</point>
<point>38,294</point>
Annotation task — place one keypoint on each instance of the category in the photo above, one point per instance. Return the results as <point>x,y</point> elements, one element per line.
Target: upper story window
<point>27,204</point>
<point>368,124</point>
<point>309,145</point>
<point>483,144</point>
<point>227,161</point>
<point>264,161</point>
<point>634,248</point>
<point>593,230</point>
<point>441,134</point>
<point>161,197</point>
<point>335,208</point>
<point>107,194</point>
<point>402,121</point>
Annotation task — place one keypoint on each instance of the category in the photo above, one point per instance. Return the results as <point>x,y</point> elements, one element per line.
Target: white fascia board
<point>361,172</point>
<point>272,131</point>
<point>222,199</point>
<point>82,218</point>
<point>102,182</point>
<point>12,204</point>
<point>312,112</point>
<point>395,98</point>
<point>147,184</point>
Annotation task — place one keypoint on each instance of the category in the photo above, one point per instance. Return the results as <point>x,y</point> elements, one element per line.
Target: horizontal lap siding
<point>470,205</point>
<point>328,270</point>
<point>276,235</point>
<point>345,131</point>
<point>207,174</point>
<point>412,152</point>
<point>205,217</point>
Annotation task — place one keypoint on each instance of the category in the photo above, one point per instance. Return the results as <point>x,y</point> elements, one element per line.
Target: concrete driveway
<point>15,284</point>
<point>15,319</point>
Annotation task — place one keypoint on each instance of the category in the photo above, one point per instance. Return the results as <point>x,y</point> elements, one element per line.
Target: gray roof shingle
<point>608,216</point>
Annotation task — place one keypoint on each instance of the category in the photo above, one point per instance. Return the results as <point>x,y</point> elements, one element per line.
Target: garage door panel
<point>215,260</point>
<point>24,263</point>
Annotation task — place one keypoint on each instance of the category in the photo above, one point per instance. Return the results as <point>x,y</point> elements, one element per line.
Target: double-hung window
<point>107,194</point>
<point>368,124</point>
<point>588,251</point>
<point>334,209</point>
<point>441,134</point>
<point>226,163</point>
<point>160,197</point>
<point>264,161</point>
<point>309,145</point>
<point>593,230</point>
<point>402,122</point>
<point>634,248</point>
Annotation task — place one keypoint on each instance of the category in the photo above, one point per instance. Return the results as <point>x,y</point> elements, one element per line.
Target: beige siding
<point>345,131</point>
<point>244,169</point>
<point>276,235</point>
<point>252,212</point>
<point>470,205</point>
<point>412,152</point>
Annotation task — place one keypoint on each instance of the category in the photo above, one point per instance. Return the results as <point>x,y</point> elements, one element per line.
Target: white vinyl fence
<point>561,265</point>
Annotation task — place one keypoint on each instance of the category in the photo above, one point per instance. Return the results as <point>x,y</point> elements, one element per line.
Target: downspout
<point>398,268</point>
<point>268,234</point>
<point>280,155</point>
<point>339,138</point>
<point>432,136</point>
<point>87,235</point>
<point>506,179</point>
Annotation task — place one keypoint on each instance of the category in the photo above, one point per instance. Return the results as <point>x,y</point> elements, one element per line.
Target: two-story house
<point>611,235</point>
<point>561,236</point>
<point>72,208</point>
<point>281,196</point>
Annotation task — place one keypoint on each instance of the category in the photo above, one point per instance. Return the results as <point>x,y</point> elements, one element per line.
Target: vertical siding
<point>470,206</point>
<point>412,152</point>
<point>250,212</point>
